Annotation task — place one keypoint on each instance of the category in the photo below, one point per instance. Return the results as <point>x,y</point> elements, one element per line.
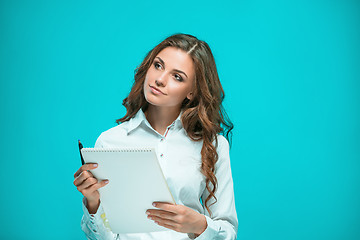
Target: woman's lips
<point>156,90</point>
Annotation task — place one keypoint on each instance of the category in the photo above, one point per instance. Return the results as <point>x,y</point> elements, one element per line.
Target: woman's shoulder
<point>116,132</point>
<point>121,128</point>
<point>222,141</point>
<point>223,151</point>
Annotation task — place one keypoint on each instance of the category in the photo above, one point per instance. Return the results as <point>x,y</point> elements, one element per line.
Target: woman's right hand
<point>88,185</point>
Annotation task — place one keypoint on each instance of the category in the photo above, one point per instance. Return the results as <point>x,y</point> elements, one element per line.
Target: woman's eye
<point>157,65</point>
<point>178,77</point>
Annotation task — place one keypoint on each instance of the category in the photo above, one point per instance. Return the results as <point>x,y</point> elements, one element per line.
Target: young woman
<point>175,105</point>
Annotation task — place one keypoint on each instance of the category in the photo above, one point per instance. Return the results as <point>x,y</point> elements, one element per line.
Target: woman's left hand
<point>178,218</point>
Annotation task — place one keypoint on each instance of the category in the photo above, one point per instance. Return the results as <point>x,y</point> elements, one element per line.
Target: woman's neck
<point>160,117</point>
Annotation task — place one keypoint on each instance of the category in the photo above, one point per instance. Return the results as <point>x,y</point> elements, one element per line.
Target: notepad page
<point>135,182</point>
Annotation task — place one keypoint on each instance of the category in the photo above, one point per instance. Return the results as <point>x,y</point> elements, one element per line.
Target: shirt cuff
<point>95,221</point>
<point>210,232</point>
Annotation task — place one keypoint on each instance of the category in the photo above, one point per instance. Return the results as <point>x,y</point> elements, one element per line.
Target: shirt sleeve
<point>96,226</point>
<point>223,223</point>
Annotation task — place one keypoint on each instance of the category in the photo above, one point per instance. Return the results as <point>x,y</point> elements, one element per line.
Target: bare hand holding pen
<point>88,185</point>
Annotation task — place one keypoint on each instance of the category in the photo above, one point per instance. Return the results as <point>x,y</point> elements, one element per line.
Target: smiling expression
<point>170,78</point>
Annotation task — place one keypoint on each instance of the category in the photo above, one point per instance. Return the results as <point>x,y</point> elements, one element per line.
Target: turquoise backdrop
<point>290,70</point>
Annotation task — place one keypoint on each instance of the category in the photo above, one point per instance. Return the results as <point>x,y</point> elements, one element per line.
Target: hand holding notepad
<point>135,182</point>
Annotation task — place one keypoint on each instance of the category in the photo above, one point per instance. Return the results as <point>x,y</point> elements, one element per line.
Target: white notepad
<point>135,182</point>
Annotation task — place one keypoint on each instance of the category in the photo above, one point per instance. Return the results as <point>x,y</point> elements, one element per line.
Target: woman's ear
<point>189,96</point>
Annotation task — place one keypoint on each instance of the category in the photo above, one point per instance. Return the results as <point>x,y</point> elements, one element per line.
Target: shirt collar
<point>140,118</point>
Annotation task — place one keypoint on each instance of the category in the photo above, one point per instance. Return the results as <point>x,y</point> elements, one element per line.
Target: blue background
<point>290,70</point>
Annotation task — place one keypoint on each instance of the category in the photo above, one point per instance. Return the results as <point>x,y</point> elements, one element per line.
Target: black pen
<point>80,147</point>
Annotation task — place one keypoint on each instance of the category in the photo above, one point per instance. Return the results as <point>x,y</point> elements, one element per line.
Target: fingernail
<point>95,165</point>
<point>154,204</point>
<point>148,213</point>
<point>106,181</point>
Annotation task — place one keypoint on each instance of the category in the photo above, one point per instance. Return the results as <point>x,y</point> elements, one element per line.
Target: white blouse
<point>180,160</point>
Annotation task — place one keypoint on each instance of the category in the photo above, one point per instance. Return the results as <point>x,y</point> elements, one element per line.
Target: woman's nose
<point>161,79</point>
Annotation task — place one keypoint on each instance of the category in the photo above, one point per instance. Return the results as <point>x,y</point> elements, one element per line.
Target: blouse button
<point>161,155</point>
<point>161,140</point>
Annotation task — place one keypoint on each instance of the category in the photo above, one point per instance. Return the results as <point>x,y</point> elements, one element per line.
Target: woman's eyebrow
<point>177,70</point>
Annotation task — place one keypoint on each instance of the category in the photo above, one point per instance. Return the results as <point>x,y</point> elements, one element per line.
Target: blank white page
<point>135,182</point>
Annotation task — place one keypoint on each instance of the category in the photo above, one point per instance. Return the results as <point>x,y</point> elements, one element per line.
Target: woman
<point>175,105</point>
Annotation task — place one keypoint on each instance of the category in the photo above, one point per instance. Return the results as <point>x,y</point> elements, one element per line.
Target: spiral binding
<point>116,149</point>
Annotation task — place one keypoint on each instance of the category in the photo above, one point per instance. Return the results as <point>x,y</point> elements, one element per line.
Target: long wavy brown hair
<point>203,116</point>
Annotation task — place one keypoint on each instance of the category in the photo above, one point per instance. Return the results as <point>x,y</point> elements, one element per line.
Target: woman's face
<point>170,78</point>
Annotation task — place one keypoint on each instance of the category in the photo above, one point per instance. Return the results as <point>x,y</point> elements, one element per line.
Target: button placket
<point>161,147</point>
<point>162,142</point>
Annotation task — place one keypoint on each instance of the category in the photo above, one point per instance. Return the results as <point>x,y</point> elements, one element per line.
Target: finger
<point>85,167</point>
<point>95,187</point>
<point>82,177</point>
<point>163,218</point>
<point>165,206</point>
<point>161,213</point>
<point>87,183</point>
